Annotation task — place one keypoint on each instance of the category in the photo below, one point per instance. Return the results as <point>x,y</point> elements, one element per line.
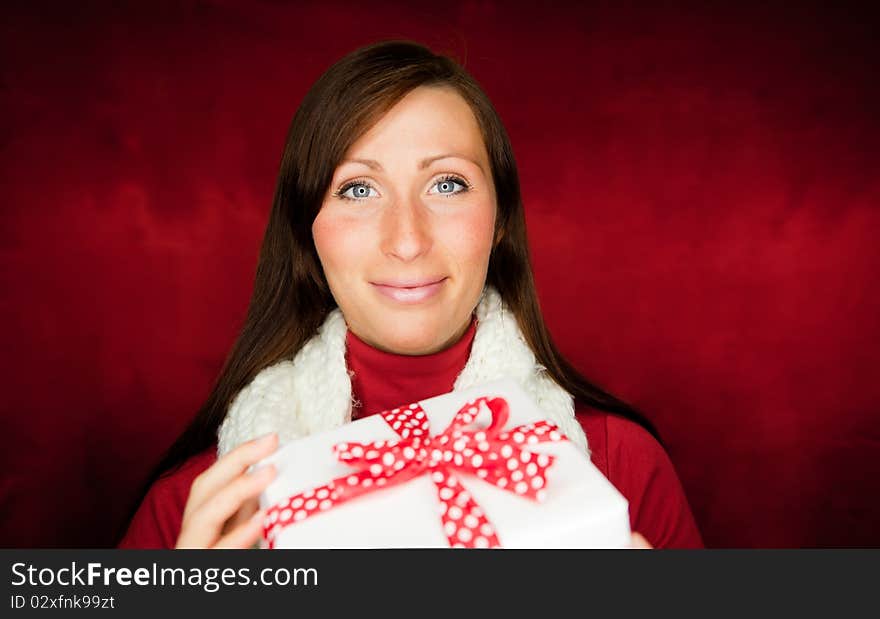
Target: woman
<point>394,268</point>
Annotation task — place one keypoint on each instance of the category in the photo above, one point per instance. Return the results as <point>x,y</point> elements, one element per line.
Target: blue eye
<point>447,183</point>
<point>361,188</point>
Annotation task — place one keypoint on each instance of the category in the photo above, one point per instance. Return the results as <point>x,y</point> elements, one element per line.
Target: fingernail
<point>266,471</point>
<point>265,439</point>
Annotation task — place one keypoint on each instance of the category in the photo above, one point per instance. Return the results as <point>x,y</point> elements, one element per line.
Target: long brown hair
<point>291,297</point>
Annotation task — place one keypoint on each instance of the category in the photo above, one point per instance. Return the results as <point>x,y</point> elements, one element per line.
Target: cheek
<point>470,235</point>
<point>337,244</point>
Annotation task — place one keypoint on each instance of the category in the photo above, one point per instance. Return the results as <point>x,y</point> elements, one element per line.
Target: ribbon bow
<point>495,456</point>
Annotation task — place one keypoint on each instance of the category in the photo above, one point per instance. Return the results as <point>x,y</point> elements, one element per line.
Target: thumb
<point>639,542</point>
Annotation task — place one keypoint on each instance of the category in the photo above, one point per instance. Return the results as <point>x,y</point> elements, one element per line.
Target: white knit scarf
<point>312,392</point>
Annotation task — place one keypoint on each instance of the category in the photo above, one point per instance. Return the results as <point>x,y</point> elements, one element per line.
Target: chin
<point>409,339</point>
<point>416,344</point>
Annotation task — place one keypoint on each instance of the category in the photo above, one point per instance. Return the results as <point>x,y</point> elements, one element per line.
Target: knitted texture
<point>312,392</point>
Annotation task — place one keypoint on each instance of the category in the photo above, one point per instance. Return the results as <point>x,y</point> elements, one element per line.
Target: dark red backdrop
<point>704,181</point>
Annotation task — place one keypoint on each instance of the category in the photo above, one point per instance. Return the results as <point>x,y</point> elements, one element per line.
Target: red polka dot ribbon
<point>495,456</point>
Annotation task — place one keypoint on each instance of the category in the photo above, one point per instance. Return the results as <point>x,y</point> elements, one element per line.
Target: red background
<point>702,196</point>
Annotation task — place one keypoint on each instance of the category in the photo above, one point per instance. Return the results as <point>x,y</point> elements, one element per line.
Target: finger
<point>246,534</point>
<point>231,465</point>
<point>639,542</point>
<point>228,467</point>
<point>225,503</point>
<point>204,525</point>
<point>247,509</point>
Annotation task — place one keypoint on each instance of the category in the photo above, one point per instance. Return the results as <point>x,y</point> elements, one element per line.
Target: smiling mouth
<point>410,294</point>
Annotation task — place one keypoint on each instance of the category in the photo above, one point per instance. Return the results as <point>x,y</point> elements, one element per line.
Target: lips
<point>410,291</point>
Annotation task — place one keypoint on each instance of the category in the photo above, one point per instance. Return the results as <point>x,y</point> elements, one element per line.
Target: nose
<point>406,230</point>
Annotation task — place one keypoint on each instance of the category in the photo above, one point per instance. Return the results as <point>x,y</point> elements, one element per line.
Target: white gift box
<point>580,509</point>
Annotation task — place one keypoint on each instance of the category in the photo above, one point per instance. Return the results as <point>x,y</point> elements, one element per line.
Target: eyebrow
<point>424,163</point>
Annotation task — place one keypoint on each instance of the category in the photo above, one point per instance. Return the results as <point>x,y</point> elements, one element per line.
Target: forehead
<point>428,120</point>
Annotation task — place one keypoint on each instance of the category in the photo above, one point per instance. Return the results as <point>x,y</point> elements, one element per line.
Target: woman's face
<point>404,234</point>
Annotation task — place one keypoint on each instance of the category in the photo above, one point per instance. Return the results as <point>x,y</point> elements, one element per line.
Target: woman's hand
<point>639,542</point>
<point>221,511</point>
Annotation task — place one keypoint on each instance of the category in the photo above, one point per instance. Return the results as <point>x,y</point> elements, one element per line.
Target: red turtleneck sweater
<point>625,453</point>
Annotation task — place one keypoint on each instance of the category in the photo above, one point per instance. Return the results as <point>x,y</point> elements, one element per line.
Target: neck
<point>381,380</point>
